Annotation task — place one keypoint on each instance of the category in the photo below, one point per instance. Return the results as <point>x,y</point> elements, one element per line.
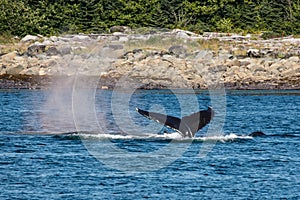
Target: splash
<point>76,76</point>
<point>158,137</point>
<point>57,116</point>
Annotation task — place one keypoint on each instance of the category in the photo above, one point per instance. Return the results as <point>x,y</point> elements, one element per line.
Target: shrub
<point>271,34</point>
<point>224,25</point>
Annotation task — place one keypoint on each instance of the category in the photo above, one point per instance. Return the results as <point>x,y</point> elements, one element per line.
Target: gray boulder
<point>29,38</point>
<point>294,51</point>
<point>178,50</point>
<point>81,38</point>
<point>122,29</point>
<point>14,70</point>
<point>35,49</point>
<point>52,51</point>
<point>253,53</point>
<point>65,50</point>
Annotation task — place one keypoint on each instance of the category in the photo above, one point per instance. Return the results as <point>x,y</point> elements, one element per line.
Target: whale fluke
<point>188,126</point>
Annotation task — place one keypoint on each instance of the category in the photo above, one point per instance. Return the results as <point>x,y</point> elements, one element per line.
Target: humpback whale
<point>256,134</point>
<point>188,126</point>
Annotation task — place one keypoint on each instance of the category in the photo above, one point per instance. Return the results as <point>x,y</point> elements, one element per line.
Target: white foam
<point>172,136</point>
<point>223,138</point>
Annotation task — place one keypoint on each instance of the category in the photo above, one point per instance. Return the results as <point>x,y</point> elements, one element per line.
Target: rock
<point>292,69</point>
<point>29,38</point>
<point>30,71</point>
<point>245,62</point>
<point>234,62</point>
<point>33,61</point>
<point>2,70</point>
<point>53,38</point>
<point>138,55</point>
<point>115,46</point>
<point>182,35</point>
<point>9,56</point>
<point>65,38</point>
<point>269,52</point>
<point>253,53</point>
<point>151,86</point>
<point>258,69</point>
<point>35,49</point>
<point>65,50</point>
<point>123,39</point>
<point>122,29</point>
<point>47,42</point>
<point>52,51</point>
<point>14,70</point>
<point>139,37</point>
<point>178,50</point>
<point>275,66</point>
<point>294,59</point>
<point>81,38</point>
<point>117,34</point>
<point>294,51</point>
<point>218,68</point>
<point>42,72</point>
<point>281,68</point>
<point>240,37</point>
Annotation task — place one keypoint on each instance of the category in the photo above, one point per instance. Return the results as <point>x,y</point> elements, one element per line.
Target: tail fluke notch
<point>188,126</point>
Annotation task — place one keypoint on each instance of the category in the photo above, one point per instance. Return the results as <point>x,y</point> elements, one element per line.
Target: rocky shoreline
<point>175,59</point>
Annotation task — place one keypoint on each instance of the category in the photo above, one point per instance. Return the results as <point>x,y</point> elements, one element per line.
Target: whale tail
<point>188,126</point>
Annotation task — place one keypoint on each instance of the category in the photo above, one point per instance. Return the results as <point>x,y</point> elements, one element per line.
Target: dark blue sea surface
<point>54,146</point>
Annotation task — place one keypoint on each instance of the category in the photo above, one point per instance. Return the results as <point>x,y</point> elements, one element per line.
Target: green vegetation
<point>50,17</point>
<point>162,43</point>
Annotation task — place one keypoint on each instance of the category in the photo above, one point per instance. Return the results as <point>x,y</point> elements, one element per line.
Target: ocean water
<point>94,145</point>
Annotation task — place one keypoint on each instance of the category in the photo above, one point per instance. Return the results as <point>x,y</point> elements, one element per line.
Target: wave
<point>152,137</point>
<point>96,135</point>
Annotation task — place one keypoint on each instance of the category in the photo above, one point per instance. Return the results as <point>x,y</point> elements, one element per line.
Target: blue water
<point>45,155</point>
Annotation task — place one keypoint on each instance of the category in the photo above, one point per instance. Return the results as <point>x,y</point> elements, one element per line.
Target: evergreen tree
<point>48,17</point>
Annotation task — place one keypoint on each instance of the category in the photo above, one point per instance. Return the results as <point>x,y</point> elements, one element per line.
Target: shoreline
<point>36,82</point>
<point>176,59</point>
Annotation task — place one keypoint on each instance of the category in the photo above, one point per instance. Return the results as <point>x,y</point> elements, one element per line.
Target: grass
<point>158,42</point>
<point>297,36</point>
<point>8,44</point>
<point>6,39</point>
<point>211,44</point>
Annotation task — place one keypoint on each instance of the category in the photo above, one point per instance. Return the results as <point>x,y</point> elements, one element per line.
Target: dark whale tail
<point>188,126</point>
